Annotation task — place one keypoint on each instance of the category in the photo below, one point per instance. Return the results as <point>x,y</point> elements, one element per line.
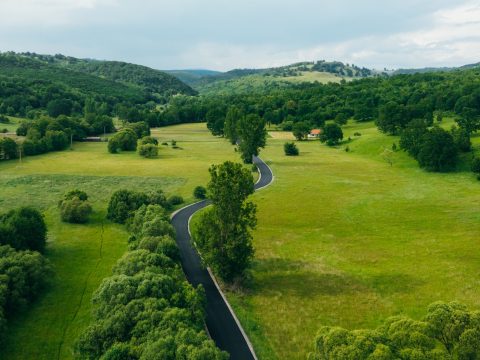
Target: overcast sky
<point>222,35</point>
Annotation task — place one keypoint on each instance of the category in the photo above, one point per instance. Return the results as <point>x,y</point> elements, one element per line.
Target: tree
<point>438,151</point>
<point>140,128</point>
<point>75,208</point>
<point>461,138</point>
<point>332,134</point>
<point>300,130</point>
<point>412,136</point>
<point>223,234</point>
<point>8,149</point>
<point>23,229</point>
<point>125,140</point>
<point>215,121</point>
<point>341,119</point>
<point>469,120</point>
<point>200,192</point>
<point>148,151</point>
<point>253,136</point>
<point>392,117</point>
<point>290,149</point>
<point>234,114</point>
<point>476,165</point>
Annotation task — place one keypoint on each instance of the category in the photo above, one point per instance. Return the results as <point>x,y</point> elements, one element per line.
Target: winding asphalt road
<point>222,324</point>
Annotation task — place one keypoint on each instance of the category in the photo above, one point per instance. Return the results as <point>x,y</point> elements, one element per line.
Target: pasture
<point>82,255</point>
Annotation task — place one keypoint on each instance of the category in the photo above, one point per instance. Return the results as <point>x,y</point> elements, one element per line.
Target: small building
<point>315,133</point>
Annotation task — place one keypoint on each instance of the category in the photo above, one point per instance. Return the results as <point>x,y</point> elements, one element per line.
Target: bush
<point>148,151</point>
<point>57,139</point>
<point>23,229</point>
<point>175,200</point>
<point>147,140</point>
<point>476,165</point>
<point>82,195</point>
<point>141,129</point>
<point>290,149</point>
<point>200,192</point>
<point>125,140</point>
<point>357,134</point>
<point>75,211</point>
<point>462,139</point>
<point>4,119</point>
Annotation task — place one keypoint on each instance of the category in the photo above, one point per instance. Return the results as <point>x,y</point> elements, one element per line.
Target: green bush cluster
<point>448,331</point>
<point>147,310</point>
<point>23,229</point>
<point>200,192</point>
<point>124,140</point>
<point>148,151</point>
<point>75,208</point>
<point>23,274</point>
<point>124,203</point>
<point>8,149</point>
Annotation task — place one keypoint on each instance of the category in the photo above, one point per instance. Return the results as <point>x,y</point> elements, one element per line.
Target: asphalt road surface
<point>220,321</point>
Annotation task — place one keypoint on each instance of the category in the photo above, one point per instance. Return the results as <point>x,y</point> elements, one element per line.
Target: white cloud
<point>21,13</point>
<point>450,37</point>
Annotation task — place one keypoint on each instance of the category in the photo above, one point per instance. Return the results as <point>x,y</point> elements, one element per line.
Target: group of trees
<point>24,272</point>
<point>147,309</point>
<point>448,331</point>
<point>223,234</point>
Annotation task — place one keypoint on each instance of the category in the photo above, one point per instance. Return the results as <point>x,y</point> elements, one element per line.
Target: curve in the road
<point>222,324</point>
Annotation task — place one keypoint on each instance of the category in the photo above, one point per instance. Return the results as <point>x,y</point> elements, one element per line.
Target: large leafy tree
<point>234,115</point>
<point>438,151</point>
<point>223,234</point>
<point>253,136</point>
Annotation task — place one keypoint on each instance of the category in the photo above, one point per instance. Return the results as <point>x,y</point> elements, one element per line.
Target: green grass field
<point>343,238</point>
<point>346,239</point>
<point>83,255</point>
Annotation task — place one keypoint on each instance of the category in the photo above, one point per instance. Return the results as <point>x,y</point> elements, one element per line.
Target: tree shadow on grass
<point>294,278</point>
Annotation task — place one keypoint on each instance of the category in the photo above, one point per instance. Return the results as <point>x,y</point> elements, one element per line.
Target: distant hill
<point>190,77</point>
<point>155,82</point>
<point>247,80</point>
<point>434,69</point>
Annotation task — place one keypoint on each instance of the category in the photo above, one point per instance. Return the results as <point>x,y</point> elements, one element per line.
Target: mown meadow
<point>343,238</point>
<point>82,255</point>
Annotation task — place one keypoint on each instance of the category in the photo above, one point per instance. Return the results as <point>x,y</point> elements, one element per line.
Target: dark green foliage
<point>215,118</point>
<point>200,192</point>
<point>8,149</point>
<point>148,140</point>
<point>58,140</point>
<point>341,119</point>
<point>223,235</point>
<point>300,130</point>
<point>448,331</point>
<point>332,134</point>
<point>438,151</point>
<point>125,140</point>
<point>175,200</point>
<point>4,119</point>
<point>253,136</point>
<point>23,275</point>
<point>231,124</point>
<point>146,309</point>
<point>140,128</point>
<point>75,208</point>
<point>412,137</point>
<point>148,151</point>
<point>124,203</point>
<point>23,229</point>
<point>290,149</point>
<point>476,165</point>
<point>461,138</point>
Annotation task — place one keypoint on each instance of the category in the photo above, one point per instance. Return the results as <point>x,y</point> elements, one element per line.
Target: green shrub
<point>200,192</point>
<point>140,128</point>
<point>147,140</point>
<point>75,211</point>
<point>82,195</point>
<point>290,149</point>
<point>438,151</point>
<point>125,140</point>
<point>476,165</point>
<point>8,149</point>
<point>23,229</point>
<point>175,200</point>
<point>148,151</point>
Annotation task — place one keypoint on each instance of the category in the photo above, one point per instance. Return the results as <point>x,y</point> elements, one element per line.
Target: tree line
<point>24,271</point>
<point>147,309</point>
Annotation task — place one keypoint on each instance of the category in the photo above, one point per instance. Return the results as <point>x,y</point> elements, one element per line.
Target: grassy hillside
<point>241,81</point>
<point>82,255</point>
<point>346,239</point>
